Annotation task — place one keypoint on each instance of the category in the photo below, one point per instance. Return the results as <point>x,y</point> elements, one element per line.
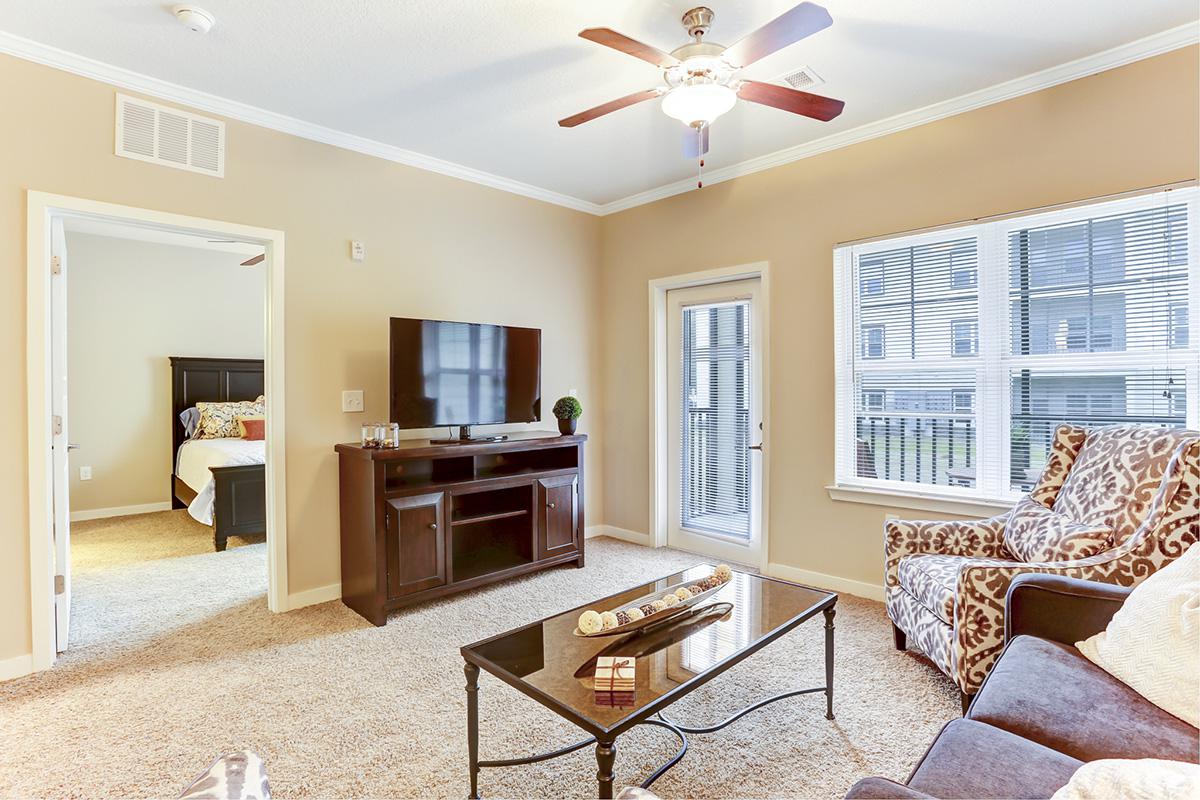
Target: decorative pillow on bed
<point>1035,533</point>
<point>253,428</point>
<point>219,420</point>
<point>189,418</point>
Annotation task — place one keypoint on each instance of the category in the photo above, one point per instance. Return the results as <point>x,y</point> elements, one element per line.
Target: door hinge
<point>56,265</point>
<point>57,430</point>
<point>60,584</point>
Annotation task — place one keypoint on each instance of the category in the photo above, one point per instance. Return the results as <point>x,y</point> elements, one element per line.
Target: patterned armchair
<point>1113,504</point>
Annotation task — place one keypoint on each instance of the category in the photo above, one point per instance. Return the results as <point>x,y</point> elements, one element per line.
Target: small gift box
<point>614,680</point>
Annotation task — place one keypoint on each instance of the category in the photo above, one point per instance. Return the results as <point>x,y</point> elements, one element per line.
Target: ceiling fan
<point>250,262</point>
<point>701,78</point>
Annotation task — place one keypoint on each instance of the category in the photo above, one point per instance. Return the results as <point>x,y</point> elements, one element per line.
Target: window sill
<point>941,504</point>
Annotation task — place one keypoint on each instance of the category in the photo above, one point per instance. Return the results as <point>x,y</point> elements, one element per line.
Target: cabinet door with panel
<point>416,543</point>
<point>558,516</point>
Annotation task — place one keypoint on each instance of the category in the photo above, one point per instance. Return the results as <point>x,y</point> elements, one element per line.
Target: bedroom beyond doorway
<point>127,306</point>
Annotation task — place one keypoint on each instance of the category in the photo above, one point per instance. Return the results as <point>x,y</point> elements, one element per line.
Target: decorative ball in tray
<point>652,607</point>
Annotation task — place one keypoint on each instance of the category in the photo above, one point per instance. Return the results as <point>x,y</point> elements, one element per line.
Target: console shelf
<point>428,519</point>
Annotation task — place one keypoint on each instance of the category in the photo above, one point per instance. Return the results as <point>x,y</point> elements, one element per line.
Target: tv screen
<point>463,373</point>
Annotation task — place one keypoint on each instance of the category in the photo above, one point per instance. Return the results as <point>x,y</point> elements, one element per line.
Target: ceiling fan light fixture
<point>698,103</point>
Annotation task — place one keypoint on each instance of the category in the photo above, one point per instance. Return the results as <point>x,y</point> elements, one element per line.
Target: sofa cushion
<point>1116,475</point>
<point>1035,533</point>
<point>970,759</point>
<point>932,580</point>
<point>1048,692</point>
<point>880,789</point>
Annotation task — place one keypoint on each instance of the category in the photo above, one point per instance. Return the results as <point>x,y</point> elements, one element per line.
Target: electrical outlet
<point>352,400</point>
<point>85,473</point>
<point>358,252</point>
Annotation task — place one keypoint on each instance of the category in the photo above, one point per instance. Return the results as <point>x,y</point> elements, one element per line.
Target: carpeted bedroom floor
<point>174,659</point>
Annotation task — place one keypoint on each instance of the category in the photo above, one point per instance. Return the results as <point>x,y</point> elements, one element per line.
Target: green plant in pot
<point>567,410</point>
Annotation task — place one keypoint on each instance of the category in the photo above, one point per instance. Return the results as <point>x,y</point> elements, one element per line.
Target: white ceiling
<point>481,84</point>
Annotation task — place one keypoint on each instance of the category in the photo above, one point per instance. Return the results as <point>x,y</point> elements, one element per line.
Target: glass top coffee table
<point>547,662</point>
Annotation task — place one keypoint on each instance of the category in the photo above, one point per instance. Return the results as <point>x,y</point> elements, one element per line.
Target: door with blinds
<point>714,408</point>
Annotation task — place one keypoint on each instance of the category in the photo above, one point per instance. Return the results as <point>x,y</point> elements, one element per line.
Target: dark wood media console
<point>425,520</point>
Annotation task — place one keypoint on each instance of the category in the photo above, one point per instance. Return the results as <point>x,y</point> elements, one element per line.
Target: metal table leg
<point>472,673</point>
<point>829,613</point>
<point>606,756</point>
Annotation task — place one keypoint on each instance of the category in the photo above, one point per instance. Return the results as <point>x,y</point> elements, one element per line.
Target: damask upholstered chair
<point>1112,504</point>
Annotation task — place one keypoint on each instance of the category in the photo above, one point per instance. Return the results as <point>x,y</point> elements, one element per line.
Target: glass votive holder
<point>369,437</point>
<point>388,434</point>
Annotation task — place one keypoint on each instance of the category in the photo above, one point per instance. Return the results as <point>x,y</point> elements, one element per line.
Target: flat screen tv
<point>464,373</point>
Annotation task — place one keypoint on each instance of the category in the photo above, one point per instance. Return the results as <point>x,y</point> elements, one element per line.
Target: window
<point>964,337</point>
<point>872,341</point>
<point>870,280</point>
<point>989,336</point>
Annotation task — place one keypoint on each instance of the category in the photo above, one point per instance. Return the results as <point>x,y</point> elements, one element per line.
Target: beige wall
<point>132,304</point>
<point>436,247</point>
<point>1132,127</point>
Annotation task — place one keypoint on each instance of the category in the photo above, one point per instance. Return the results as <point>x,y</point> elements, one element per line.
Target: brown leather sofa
<point>1044,709</point>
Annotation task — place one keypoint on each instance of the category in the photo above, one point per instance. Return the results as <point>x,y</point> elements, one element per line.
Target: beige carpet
<point>176,659</point>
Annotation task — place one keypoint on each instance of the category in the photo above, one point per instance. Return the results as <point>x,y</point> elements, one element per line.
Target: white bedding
<point>196,456</point>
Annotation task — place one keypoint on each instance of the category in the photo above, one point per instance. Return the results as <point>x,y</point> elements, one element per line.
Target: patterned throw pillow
<point>1035,533</point>
<point>240,775</point>
<point>219,420</point>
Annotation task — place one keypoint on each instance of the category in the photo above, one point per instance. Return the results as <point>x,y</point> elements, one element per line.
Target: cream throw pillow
<point>1133,779</point>
<point>1152,643</point>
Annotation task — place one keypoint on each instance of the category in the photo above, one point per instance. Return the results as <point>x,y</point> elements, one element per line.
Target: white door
<point>714,414</point>
<point>60,455</point>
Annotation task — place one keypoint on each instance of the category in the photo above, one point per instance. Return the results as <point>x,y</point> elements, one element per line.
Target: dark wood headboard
<point>210,380</point>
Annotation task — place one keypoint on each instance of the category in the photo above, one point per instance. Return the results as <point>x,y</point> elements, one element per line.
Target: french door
<point>714,414</point>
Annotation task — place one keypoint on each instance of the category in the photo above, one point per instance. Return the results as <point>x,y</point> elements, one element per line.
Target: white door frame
<point>659,453</point>
<point>42,207</point>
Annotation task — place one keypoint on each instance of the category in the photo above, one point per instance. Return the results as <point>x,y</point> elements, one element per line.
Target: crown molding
<point>1150,46</point>
<point>37,52</point>
<point>1147,47</point>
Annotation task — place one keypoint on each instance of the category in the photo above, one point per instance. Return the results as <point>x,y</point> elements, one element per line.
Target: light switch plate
<point>85,473</point>
<point>352,400</point>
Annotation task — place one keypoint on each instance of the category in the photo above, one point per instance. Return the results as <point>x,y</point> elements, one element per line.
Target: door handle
<point>72,447</point>
<point>758,447</point>
<point>433,526</point>
<point>551,505</point>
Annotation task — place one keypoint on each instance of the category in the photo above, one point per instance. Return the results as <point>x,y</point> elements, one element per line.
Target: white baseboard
<point>311,597</point>
<point>119,511</point>
<point>16,667</point>
<point>820,580</point>
<point>614,532</point>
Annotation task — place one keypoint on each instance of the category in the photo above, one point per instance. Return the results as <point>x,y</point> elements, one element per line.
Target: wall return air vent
<point>163,135</point>
<point>803,79</point>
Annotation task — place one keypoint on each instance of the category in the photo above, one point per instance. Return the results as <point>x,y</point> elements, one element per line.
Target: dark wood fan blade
<point>607,108</point>
<point>695,144</point>
<point>250,262</point>
<point>619,41</point>
<point>793,100</point>
<point>788,28</point>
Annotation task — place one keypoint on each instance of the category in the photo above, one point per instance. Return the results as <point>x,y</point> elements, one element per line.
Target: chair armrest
<point>1059,608</point>
<point>881,789</point>
<point>980,538</point>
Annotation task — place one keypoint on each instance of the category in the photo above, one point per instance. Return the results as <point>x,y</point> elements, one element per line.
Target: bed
<point>222,482</point>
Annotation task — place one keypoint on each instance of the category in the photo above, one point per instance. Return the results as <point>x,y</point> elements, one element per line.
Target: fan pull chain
<point>700,157</point>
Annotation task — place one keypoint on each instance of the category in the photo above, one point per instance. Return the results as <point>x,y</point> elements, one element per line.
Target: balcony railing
<point>716,473</point>
<point>918,448</point>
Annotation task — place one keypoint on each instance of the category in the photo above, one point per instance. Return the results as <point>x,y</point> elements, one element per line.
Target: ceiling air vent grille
<point>803,78</point>
<point>162,135</point>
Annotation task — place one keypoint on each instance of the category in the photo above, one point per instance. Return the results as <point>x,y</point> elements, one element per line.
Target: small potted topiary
<point>567,409</point>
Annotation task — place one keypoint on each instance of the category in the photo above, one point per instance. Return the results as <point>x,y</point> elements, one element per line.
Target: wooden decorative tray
<point>652,619</point>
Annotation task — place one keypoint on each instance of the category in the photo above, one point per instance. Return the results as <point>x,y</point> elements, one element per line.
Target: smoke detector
<point>195,18</point>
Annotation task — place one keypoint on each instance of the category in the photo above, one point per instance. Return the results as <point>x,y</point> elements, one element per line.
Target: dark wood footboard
<point>240,502</point>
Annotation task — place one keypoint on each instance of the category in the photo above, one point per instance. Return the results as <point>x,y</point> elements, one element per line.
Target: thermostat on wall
<point>357,251</point>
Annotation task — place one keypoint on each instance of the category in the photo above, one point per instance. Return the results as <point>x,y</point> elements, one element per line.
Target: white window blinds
<point>959,351</point>
<point>715,420</point>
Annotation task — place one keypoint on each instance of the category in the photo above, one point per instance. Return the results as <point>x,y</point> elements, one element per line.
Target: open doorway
<point>136,317</point>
